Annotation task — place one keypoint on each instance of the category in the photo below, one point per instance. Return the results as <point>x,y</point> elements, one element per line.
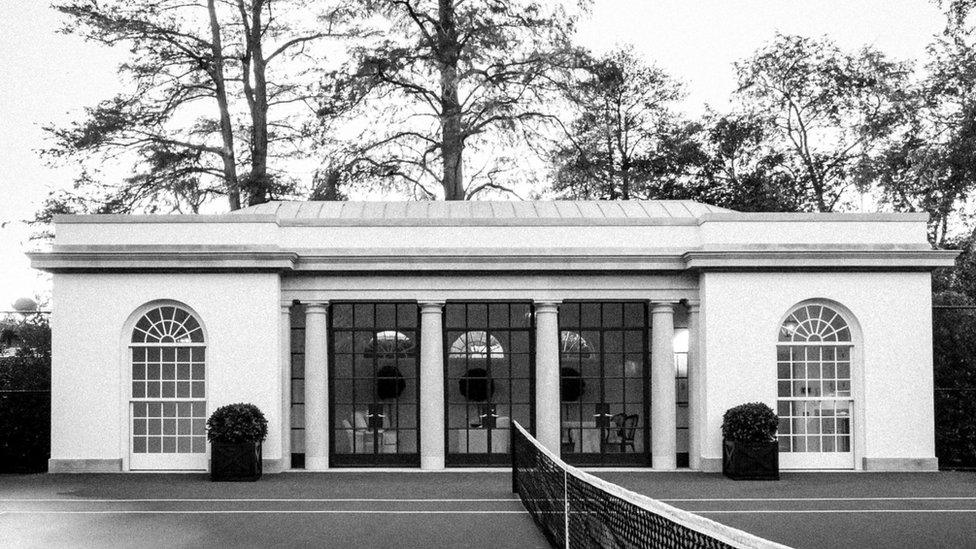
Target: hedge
<point>25,414</point>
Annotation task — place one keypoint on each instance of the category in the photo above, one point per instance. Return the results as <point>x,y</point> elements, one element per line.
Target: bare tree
<point>197,121</point>
<point>450,78</point>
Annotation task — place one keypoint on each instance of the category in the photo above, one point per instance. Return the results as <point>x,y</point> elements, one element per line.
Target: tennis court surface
<point>464,509</point>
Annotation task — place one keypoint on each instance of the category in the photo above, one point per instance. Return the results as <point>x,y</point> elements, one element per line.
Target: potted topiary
<point>235,432</point>
<point>749,447</point>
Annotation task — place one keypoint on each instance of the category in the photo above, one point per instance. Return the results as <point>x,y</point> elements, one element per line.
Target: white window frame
<point>820,459</point>
<point>160,461</point>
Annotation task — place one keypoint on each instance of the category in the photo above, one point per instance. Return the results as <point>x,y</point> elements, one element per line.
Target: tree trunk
<point>327,188</point>
<point>226,129</point>
<point>258,179</point>
<point>452,138</point>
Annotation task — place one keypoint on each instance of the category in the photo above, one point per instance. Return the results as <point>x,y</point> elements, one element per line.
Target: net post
<point>511,449</point>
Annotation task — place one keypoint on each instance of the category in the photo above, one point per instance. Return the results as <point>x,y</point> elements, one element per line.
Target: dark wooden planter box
<point>750,460</point>
<point>235,462</point>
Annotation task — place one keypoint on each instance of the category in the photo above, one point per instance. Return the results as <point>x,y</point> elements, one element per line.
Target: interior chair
<point>612,432</point>
<point>628,431</point>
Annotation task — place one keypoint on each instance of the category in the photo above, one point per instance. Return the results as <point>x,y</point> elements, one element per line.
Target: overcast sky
<point>47,77</point>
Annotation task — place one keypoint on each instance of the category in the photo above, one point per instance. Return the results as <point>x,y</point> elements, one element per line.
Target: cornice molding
<point>689,220</point>
<point>272,258</point>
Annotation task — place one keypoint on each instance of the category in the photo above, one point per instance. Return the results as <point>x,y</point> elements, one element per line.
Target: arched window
<point>167,325</point>
<point>477,344</point>
<point>168,390</point>
<point>390,344</point>
<point>815,401</point>
<point>573,346</point>
<point>815,323</point>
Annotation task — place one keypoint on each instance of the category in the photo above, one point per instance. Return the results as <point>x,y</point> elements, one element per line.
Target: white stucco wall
<point>90,369</point>
<point>894,418</point>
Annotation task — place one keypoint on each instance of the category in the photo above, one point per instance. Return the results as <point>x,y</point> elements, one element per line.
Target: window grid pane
<point>814,382</point>
<point>168,383</point>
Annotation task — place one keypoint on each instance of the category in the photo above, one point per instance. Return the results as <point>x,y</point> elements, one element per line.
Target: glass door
<point>815,404</point>
<point>604,383</point>
<point>489,379</point>
<point>374,394</point>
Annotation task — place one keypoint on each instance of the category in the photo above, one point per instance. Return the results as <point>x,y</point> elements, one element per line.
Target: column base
<point>320,463</point>
<point>431,463</point>
<point>662,463</point>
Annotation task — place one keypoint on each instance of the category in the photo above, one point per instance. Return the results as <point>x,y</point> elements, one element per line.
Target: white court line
<point>265,512</point>
<point>826,511</point>
<point>261,500</point>
<point>920,498</point>
<point>456,500</point>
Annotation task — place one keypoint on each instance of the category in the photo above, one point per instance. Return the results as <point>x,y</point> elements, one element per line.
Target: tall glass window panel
<point>489,378</point>
<point>374,390</point>
<point>604,382</point>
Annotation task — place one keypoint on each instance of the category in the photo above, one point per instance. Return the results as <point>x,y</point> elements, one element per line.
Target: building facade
<point>412,334</point>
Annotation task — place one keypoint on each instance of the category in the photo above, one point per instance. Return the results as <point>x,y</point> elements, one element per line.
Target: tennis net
<point>575,509</point>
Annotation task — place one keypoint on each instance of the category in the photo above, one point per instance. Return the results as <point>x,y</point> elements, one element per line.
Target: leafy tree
<point>624,140</point>
<point>215,97</point>
<point>442,81</point>
<point>741,171</point>
<point>830,110</point>
<point>931,166</point>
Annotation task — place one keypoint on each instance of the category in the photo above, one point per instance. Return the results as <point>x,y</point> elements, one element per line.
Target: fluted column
<point>663,413</point>
<point>694,387</point>
<point>316,387</point>
<point>432,417</point>
<point>284,339</point>
<point>547,414</point>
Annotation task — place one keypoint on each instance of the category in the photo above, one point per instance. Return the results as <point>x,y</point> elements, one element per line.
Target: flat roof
<point>484,210</point>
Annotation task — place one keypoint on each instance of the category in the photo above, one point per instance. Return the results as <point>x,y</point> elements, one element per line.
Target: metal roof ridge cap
<point>774,217</point>
<point>163,218</point>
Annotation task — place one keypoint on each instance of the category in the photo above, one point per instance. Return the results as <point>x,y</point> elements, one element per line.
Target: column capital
<point>693,305</point>
<point>316,307</point>
<point>546,306</point>
<point>431,306</point>
<point>662,307</point>
<point>286,306</point>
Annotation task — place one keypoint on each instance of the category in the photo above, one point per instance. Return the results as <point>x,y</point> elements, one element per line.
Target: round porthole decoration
<point>571,385</point>
<point>389,383</point>
<point>476,386</point>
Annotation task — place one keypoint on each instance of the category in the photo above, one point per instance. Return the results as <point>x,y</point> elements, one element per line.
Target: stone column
<point>547,413</point>
<point>663,413</point>
<point>284,339</point>
<point>316,387</point>
<point>432,416</point>
<point>694,387</point>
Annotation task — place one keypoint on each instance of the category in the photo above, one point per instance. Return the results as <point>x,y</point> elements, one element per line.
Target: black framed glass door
<point>604,383</point>
<point>489,377</point>
<point>373,384</point>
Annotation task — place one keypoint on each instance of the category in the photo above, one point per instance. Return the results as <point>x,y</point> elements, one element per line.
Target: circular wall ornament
<point>571,385</point>
<point>389,383</point>
<point>476,386</point>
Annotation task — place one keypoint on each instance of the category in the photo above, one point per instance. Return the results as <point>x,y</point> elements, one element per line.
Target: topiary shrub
<point>752,422</point>
<point>236,424</point>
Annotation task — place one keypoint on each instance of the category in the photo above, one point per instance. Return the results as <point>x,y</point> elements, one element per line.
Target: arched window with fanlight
<point>168,390</point>
<point>814,387</point>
